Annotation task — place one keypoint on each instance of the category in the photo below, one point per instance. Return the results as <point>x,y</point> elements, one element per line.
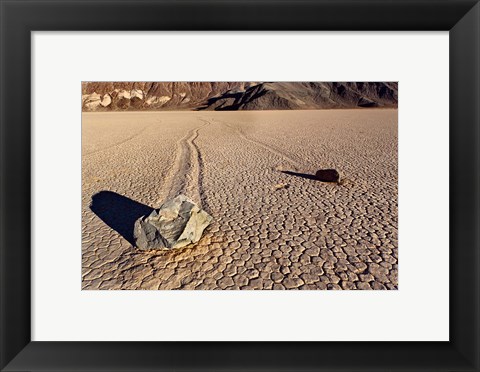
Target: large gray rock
<point>176,224</point>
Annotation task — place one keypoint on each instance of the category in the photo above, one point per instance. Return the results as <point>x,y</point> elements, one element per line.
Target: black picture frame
<point>18,18</point>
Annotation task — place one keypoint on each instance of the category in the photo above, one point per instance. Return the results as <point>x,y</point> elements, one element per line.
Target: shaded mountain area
<point>137,96</point>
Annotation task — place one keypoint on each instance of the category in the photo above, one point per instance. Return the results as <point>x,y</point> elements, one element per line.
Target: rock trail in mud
<point>184,176</point>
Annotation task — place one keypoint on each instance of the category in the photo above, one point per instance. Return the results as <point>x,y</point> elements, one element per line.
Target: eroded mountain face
<point>134,96</point>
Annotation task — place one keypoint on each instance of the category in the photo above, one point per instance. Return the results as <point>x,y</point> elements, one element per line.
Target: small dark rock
<point>327,175</point>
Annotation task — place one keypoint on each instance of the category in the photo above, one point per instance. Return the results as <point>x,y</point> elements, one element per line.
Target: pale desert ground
<point>271,230</point>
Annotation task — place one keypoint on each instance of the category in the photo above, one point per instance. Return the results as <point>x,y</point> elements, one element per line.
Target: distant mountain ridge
<point>138,96</point>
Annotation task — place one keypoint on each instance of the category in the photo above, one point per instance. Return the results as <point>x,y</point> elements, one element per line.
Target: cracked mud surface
<point>274,227</point>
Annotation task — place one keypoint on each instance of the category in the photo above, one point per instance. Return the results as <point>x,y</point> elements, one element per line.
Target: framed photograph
<point>257,185</point>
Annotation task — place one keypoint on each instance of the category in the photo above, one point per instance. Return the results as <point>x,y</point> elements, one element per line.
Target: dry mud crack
<point>281,154</point>
<point>307,236</point>
<point>122,142</point>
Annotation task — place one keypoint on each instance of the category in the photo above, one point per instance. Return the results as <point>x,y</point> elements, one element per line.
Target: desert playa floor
<point>274,226</point>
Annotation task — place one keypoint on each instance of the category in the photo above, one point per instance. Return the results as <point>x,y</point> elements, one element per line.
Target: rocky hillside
<point>134,96</point>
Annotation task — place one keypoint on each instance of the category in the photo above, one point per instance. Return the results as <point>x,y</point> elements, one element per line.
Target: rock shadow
<point>118,212</point>
<point>301,175</point>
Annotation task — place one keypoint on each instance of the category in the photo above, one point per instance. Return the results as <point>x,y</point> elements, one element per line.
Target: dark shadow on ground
<point>118,212</point>
<point>301,175</point>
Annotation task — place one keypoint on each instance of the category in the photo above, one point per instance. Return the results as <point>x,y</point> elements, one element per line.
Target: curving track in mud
<point>184,176</point>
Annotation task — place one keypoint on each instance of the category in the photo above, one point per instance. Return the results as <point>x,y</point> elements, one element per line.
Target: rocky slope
<point>137,96</point>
